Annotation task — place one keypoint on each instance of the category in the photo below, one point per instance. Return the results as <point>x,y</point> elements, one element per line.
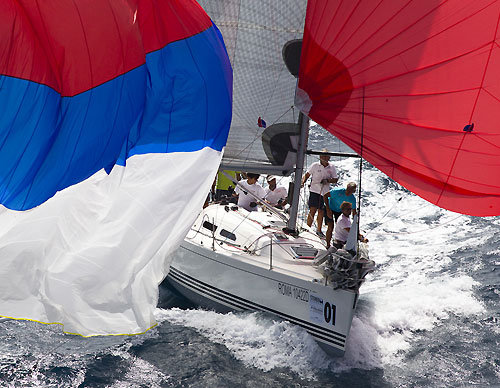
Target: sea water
<point>429,316</point>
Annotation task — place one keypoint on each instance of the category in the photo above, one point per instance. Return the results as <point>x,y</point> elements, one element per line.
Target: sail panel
<point>254,33</point>
<point>399,81</point>
<point>74,103</point>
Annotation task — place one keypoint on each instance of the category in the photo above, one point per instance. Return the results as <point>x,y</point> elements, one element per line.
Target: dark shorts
<point>316,200</point>
<point>335,216</point>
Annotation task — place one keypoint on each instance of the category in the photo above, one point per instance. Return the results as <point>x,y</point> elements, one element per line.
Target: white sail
<point>91,257</point>
<point>254,33</point>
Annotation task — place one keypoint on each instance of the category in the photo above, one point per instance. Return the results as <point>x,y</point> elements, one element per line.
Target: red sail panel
<point>399,80</point>
<point>55,36</point>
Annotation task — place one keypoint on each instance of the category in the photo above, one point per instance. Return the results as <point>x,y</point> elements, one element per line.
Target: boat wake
<point>264,342</point>
<point>255,339</point>
<point>419,283</point>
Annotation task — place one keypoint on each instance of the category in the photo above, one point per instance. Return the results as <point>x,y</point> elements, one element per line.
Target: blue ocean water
<point>429,316</point>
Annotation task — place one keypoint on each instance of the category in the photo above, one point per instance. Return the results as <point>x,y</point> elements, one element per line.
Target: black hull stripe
<point>215,294</point>
<point>242,304</point>
<point>254,306</point>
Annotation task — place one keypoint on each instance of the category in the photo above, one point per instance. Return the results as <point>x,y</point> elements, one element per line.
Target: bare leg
<point>320,219</point>
<point>310,216</point>
<point>329,232</point>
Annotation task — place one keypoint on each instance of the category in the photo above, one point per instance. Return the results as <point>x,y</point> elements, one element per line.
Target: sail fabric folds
<point>88,86</point>
<point>255,33</point>
<point>91,257</point>
<point>412,86</point>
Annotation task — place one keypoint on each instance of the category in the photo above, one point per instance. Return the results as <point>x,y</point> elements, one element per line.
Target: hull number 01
<point>329,312</point>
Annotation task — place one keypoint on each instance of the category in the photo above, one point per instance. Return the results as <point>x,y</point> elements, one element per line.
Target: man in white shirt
<point>245,200</point>
<point>322,173</point>
<point>342,226</point>
<point>275,195</point>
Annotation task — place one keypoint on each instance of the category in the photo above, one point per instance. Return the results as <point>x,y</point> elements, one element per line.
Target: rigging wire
<point>258,135</point>
<point>288,110</point>
<point>378,223</point>
<point>358,210</point>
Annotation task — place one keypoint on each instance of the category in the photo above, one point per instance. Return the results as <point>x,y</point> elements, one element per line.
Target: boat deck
<point>260,242</point>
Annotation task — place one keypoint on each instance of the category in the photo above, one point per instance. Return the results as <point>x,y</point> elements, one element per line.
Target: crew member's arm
<point>236,191</point>
<point>305,178</point>
<point>282,201</point>
<point>362,238</point>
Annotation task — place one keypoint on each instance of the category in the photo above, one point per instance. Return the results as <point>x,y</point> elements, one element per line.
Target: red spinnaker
<point>399,80</point>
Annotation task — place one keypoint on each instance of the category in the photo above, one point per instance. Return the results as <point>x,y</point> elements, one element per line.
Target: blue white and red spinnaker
<point>90,86</point>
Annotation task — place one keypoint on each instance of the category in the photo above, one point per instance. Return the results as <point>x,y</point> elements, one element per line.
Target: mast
<point>299,167</point>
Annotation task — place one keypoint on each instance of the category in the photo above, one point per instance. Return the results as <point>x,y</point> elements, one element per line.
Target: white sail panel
<point>91,257</point>
<point>254,33</point>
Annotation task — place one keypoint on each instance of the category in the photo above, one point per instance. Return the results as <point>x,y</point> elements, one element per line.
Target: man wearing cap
<point>275,195</point>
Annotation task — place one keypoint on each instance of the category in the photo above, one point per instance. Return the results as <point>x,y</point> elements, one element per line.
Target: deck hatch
<point>303,252</point>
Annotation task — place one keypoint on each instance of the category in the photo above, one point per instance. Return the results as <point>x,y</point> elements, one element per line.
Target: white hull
<point>224,277</point>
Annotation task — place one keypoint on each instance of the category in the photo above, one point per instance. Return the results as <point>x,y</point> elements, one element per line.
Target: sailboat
<point>412,87</point>
<point>265,260</point>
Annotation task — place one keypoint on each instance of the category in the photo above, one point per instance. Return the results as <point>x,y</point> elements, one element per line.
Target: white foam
<point>361,349</point>
<point>140,372</point>
<point>254,339</point>
<point>263,342</point>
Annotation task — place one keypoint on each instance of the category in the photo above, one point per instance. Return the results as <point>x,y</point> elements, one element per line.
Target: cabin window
<point>211,227</point>
<point>227,234</point>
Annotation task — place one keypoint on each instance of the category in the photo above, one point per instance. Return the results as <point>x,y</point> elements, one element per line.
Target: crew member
<point>333,199</point>
<point>275,195</point>
<point>245,200</point>
<point>322,174</point>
